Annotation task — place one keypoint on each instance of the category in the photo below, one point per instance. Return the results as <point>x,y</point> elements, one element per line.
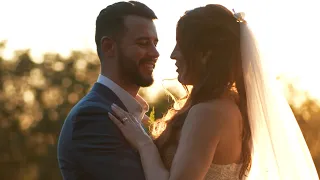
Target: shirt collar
<point>135,105</point>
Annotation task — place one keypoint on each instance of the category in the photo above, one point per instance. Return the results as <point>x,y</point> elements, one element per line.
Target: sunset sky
<point>286,30</point>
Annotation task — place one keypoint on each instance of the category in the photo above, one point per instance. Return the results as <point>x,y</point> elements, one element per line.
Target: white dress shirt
<point>135,105</point>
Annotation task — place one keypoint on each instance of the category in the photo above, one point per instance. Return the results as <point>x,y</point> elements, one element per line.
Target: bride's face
<point>183,76</point>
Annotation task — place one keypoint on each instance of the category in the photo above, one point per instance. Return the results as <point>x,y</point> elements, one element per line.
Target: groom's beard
<point>131,72</point>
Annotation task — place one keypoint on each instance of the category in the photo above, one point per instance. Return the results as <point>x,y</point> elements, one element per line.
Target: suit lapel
<point>108,95</point>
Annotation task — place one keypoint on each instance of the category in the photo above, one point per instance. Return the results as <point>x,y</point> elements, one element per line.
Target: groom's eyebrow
<point>147,38</point>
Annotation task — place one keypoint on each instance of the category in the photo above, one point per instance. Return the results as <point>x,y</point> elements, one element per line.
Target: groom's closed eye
<point>146,42</point>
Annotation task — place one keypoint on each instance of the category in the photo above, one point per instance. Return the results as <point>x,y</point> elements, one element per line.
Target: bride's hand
<point>130,127</point>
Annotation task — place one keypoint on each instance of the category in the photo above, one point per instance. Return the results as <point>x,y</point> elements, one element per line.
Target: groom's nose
<point>153,52</point>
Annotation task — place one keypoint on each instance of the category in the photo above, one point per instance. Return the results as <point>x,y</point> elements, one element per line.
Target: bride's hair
<point>214,32</point>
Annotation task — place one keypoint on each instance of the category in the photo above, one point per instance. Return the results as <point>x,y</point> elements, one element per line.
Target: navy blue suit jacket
<point>91,147</point>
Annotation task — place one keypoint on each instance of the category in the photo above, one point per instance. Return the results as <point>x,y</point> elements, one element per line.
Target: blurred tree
<point>308,117</point>
<point>34,101</point>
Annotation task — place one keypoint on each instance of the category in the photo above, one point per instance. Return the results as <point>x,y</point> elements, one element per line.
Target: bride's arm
<point>200,136</point>
<point>152,164</point>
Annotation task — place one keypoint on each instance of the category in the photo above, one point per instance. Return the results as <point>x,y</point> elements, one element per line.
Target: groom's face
<point>137,53</point>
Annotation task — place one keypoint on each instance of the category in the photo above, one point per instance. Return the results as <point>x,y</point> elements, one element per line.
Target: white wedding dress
<point>215,172</point>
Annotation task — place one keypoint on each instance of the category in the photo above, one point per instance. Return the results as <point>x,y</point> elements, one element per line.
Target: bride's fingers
<point>123,114</point>
<point>118,111</point>
<point>115,120</point>
<point>132,118</point>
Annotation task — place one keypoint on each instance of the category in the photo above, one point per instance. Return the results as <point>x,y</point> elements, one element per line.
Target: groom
<point>90,146</point>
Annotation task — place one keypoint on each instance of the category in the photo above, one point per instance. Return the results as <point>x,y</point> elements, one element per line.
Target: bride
<point>235,124</point>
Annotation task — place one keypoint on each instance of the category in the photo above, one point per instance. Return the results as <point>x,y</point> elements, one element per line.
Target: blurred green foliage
<point>35,98</point>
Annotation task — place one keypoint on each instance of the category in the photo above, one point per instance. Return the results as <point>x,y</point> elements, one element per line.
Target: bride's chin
<point>181,80</point>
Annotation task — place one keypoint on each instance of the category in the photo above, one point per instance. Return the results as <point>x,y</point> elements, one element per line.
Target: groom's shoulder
<point>91,103</point>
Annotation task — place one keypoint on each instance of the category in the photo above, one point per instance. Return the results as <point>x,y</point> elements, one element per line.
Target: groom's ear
<point>108,46</point>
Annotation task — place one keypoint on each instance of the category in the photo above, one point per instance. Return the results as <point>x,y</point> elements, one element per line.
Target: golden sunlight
<point>285,29</point>
<point>48,62</point>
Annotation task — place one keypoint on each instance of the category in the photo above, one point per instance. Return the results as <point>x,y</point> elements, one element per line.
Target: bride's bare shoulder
<point>215,111</point>
<point>218,105</point>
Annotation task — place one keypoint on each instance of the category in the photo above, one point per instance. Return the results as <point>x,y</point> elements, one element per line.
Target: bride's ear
<point>205,57</point>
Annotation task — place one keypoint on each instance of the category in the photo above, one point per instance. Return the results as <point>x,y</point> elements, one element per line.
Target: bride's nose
<point>172,56</point>
<point>174,53</point>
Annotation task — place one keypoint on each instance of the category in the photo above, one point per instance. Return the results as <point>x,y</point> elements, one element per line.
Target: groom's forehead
<point>137,26</point>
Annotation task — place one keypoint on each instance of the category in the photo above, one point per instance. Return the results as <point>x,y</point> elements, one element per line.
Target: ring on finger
<point>125,120</point>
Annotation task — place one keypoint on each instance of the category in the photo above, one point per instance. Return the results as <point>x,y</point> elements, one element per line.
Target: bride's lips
<point>177,68</point>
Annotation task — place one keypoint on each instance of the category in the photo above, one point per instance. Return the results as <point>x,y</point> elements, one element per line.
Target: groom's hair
<point>110,21</point>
